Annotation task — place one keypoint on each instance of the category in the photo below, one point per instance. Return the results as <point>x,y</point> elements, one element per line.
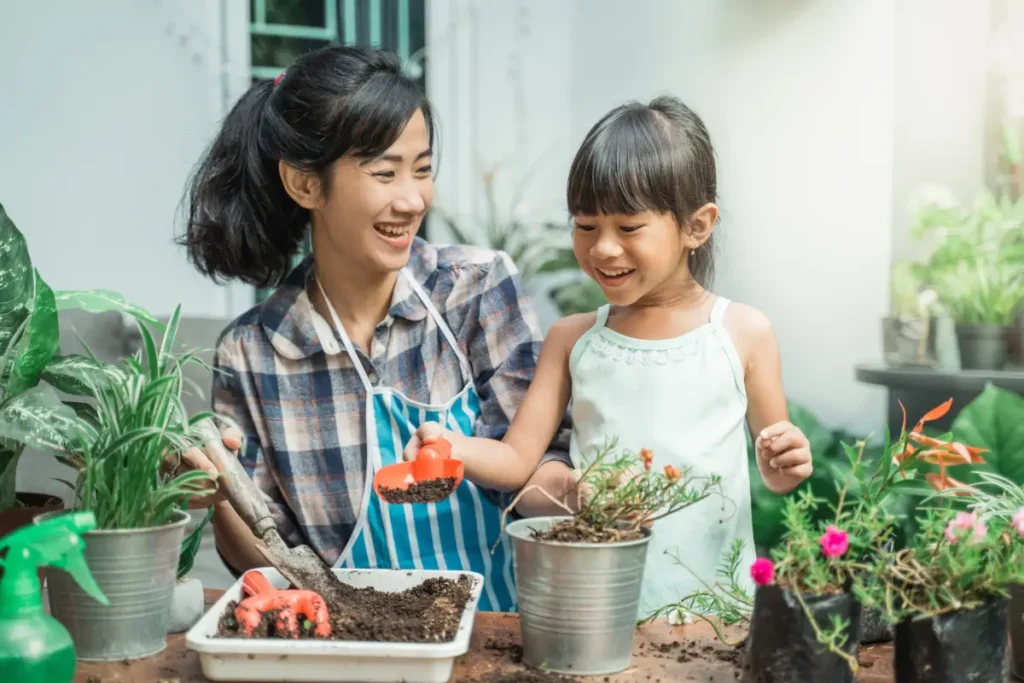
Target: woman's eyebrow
<point>396,158</point>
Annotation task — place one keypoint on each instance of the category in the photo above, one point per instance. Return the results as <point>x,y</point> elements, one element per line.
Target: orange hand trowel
<point>423,479</point>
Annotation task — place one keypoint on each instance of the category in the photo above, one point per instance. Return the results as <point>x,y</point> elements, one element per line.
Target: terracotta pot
<point>29,506</point>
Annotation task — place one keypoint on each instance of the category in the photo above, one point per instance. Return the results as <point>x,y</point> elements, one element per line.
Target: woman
<point>374,333</point>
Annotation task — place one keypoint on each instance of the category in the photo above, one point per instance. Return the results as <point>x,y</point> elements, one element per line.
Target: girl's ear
<point>702,222</point>
<point>302,187</point>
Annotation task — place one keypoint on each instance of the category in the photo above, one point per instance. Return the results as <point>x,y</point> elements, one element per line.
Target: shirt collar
<point>297,331</point>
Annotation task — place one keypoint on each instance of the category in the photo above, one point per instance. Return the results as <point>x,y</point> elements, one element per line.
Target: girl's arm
<point>782,450</point>
<point>508,464</point>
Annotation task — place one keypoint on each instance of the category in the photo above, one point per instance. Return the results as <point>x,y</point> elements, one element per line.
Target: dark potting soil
<point>430,491</point>
<point>690,651</point>
<point>575,530</point>
<point>427,613</point>
<point>528,676</point>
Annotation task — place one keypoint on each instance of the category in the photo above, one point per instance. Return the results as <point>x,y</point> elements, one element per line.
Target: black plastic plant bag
<point>969,646</point>
<point>873,626</point>
<point>782,646</point>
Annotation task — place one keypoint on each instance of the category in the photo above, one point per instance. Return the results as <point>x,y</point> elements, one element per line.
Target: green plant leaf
<point>102,301</point>
<point>80,375</point>
<point>8,472</point>
<point>560,260</point>
<point>39,419</point>
<point>190,546</point>
<point>41,341</point>
<point>16,283</point>
<point>993,420</point>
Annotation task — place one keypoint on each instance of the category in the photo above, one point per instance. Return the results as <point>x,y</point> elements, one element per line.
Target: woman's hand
<point>783,456</point>
<point>196,459</point>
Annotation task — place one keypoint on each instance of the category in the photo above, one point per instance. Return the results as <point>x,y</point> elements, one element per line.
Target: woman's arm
<point>235,541</point>
<point>782,450</point>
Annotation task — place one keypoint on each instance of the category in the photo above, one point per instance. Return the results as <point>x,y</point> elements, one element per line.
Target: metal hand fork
<point>300,565</point>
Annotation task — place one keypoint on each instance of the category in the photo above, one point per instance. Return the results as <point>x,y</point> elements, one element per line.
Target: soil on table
<point>430,491</point>
<point>690,651</point>
<point>576,530</point>
<point>427,613</point>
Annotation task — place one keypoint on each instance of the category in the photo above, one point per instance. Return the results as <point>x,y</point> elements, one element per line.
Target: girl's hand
<point>428,432</point>
<point>783,456</point>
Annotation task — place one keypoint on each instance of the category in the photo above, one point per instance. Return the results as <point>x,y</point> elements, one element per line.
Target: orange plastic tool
<point>263,597</point>
<point>433,461</point>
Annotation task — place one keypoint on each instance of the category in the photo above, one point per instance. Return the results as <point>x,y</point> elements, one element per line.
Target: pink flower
<point>834,542</point>
<point>1018,521</point>
<point>762,571</point>
<point>966,521</point>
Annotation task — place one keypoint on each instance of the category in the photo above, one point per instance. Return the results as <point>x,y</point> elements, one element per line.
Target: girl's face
<point>637,258</point>
<point>375,207</point>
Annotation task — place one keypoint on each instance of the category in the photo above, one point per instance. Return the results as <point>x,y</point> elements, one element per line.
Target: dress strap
<point>718,311</point>
<point>602,316</point>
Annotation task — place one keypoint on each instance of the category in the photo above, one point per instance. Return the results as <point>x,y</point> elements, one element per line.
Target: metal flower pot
<point>136,569</point>
<point>578,602</point>
<point>982,347</point>
<point>1016,626</point>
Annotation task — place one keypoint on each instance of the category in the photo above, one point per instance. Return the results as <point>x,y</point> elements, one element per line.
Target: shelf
<point>922,379</point>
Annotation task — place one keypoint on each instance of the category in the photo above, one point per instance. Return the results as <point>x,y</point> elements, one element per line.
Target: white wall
<point>799,97</point>
<point>104,112</point>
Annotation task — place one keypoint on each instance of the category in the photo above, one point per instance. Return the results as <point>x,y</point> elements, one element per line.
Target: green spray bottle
<point>35,647</point>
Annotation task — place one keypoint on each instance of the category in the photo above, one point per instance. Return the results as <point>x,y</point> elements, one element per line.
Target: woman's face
<point>374,207</point>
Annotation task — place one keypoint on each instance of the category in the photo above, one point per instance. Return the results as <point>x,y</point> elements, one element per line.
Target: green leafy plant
<point>538,249</point>
<point>958,561</point>
<point>32,414</point>
<point>977,254</point>
<point>139,422</point>
<point>620,492</point>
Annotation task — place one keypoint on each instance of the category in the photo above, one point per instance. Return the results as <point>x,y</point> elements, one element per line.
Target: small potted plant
<point>119,446</point>
<point>1001,501</point>
<point>975,267</point>
<point>909,332</point>
<point>32,414</point>
<point>579,577</point>
<point>947,595</point>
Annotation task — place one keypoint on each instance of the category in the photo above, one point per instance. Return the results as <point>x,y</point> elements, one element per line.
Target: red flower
<point>762,571</point>
<point>834,542</point>
<point>671,473</point>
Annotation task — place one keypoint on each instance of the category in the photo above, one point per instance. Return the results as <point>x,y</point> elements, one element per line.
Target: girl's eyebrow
<point>396,158</point>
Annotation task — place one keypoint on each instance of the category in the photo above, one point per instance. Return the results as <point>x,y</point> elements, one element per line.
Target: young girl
<point>666,365</point>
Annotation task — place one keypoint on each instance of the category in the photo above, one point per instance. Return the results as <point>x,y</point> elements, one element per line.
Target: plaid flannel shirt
<point>282,374</point>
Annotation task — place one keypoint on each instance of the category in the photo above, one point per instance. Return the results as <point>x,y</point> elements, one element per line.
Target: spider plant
<point>138,423</point>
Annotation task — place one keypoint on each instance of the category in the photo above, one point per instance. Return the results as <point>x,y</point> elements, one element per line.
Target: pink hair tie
<point>278,79</point>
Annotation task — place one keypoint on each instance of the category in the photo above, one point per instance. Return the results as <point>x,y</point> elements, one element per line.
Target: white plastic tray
<point>278,659</point>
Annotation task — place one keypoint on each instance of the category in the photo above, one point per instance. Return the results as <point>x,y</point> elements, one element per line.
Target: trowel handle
<point>238,487</point>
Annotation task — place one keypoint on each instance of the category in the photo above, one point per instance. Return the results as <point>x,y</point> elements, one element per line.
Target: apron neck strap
<point>431,309</point>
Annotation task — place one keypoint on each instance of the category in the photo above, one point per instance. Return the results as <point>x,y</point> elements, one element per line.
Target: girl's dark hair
<point>333,102</point>
<point>647,157</point>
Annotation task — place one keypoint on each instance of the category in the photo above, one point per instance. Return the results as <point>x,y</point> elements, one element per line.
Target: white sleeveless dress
<point>685,400</point>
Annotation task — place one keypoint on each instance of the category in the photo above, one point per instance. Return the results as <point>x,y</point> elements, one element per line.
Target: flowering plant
<point>619,493</point>
<point>958,561</point>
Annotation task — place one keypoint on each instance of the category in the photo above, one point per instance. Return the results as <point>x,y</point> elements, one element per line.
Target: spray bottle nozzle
<point>56,542</point>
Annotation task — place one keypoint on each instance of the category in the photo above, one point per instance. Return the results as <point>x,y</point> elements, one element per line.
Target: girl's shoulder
<point>567,331</point>
<point>750,329</point>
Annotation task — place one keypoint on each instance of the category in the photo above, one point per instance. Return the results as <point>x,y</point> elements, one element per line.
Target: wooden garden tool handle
<point>238,487</point>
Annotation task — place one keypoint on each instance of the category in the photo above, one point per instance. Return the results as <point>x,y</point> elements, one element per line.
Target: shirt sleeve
<point>503,350</point>
<point>233,394</point>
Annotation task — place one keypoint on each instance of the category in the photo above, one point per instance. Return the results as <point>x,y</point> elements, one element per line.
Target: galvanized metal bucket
<point>136,569</point>
<point>578,602</point>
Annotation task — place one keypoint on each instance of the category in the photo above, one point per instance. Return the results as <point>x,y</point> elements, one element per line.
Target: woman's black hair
<point>332,102</point>
<point>647,157</point>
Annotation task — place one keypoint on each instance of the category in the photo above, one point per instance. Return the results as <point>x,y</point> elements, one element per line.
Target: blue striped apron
<point>456,534</point>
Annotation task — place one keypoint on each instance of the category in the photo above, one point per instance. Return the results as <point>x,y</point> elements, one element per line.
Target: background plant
<point>539,249</point>
<point>32,414</point>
